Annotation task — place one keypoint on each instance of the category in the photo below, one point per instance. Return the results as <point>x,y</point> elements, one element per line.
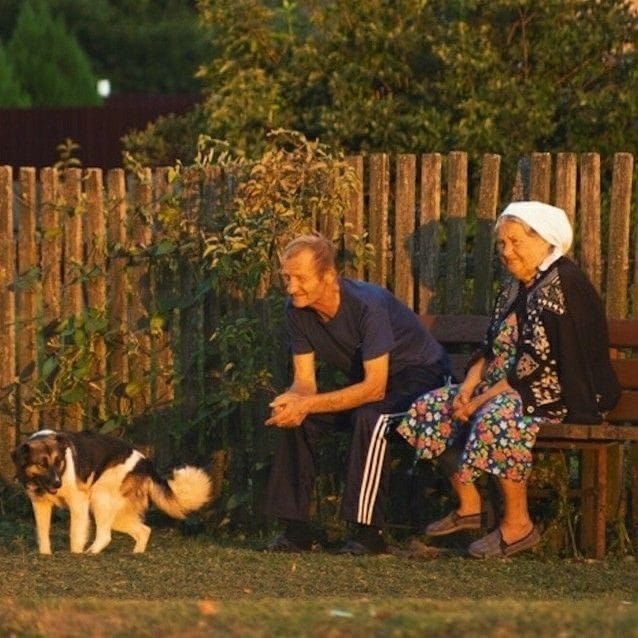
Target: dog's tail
<point>187,490</point>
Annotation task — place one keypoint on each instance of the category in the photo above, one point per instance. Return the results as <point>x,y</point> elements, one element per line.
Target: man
<point>389,359</point>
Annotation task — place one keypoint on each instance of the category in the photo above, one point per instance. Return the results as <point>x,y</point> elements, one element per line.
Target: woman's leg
<point>468,495</point>
<point>516,523</point>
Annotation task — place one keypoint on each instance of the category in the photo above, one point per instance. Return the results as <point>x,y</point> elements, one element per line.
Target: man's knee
<point>368,417</point>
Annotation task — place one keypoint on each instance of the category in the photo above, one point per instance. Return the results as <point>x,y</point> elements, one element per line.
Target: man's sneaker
<point>283,545</point>
<point>368,541</point>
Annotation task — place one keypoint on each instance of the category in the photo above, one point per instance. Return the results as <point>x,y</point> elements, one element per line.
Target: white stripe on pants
<point>372,471</point>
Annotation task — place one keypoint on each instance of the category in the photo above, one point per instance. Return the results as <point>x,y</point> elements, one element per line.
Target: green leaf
<point>48,367</point>
<point>78,393</point>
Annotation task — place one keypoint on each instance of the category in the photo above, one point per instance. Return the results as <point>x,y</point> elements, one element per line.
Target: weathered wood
<point>455,224</point>
<point>74,271</point>
<point>95,241</point>
<point>7,325</point>
<point>617,299</point>
<point>590,258</point>
<point>623,333</point>
<point>27,302</point>
<point>429,226</point>
<point>618,247</point>
<point>541,177</point>
<point>378,216</point>
<point>73,257</point>
<point>116,234</point>
<point>522,186</point>
<point>566,174</point>
<point>627,372</point>
<point>457,328</point>
<point>163,290</point>
<point>404,224</point>
<point>139,282</point>
<point>51,250</point>
<point>191,316</point>
<point>353,222</point>
<point>50,266</point>
<point>586,432</point>
<point>484,240</point>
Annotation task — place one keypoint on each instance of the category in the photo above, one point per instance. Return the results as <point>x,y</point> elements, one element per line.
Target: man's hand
<point>288,410</point>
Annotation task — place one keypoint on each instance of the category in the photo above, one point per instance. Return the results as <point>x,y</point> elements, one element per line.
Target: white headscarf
<point>550,222</point>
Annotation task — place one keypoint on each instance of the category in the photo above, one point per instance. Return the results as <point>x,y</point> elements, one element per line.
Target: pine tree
<point>11,93</point>
<point>48,61</point>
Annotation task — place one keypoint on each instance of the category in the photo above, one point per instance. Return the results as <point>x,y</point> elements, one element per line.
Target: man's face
<point>306,287</point>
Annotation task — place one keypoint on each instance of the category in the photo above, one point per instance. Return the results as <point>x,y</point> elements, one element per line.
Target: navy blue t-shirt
<point>370,322</point>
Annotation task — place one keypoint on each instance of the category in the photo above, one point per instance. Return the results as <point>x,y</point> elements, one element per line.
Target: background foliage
<point>412,76</point>
<point>47,60</point>
<point>140,46</point>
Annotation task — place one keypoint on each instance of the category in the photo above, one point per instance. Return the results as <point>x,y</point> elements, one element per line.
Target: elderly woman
<point>545,358</point>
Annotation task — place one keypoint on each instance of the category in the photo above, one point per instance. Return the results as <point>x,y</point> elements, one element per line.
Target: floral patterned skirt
<point>498,438</point>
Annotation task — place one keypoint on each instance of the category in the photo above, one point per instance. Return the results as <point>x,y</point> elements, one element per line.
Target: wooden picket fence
<point>429,220</point>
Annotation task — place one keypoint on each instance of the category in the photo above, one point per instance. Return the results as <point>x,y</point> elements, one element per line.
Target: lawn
<point>202,586</point>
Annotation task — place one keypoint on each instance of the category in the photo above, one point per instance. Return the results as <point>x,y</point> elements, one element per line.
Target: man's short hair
<point>321,247</point>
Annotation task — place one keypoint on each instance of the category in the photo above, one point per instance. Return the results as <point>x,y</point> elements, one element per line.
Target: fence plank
<point>95,240</point>
<point>590,258</point>
<point>404,223</point>
<point>484,241</point>
<point>73,268</point>
<point>541,177</point>
<point>566,170</point>
<point>50,265</point>
<point>429,227</point>
<point>353,222</point>
<point>116,237</point>
<point>191,313</point>
<point>163,289</point>
<point>7,325</point>
<point>618,251</point>
<point>378,216</point>
<point>27,302</point>
<point>139,281</point>
<point>455,224</point>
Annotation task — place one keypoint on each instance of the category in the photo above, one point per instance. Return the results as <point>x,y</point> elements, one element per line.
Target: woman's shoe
<point>494,546</point>
<point>453,522</point>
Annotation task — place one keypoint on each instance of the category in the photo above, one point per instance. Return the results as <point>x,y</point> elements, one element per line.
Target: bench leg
<point>594,501</point>
<point>601,503</point>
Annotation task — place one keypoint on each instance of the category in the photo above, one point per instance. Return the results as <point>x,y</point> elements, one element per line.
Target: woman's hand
<point>468,408</point>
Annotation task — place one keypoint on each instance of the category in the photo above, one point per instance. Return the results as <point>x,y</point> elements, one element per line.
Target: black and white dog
<point>91,473</point>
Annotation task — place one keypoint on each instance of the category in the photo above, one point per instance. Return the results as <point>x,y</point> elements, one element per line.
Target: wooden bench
<point>461,334</point>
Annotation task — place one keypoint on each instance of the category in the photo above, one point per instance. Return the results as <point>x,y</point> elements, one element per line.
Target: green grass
<point>201,586</point>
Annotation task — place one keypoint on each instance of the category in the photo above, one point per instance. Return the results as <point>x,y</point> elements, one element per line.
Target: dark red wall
<point>29,137</point>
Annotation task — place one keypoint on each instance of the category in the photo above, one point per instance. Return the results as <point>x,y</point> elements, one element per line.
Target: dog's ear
<point>20,454</point>
<point>62,441</point>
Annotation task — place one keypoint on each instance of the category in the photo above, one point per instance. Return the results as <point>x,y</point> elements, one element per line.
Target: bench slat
<point>457,328</point>
<point>627,372</point>
<point>626,409</point>
<point>623,333</point>
<point>576,432</point>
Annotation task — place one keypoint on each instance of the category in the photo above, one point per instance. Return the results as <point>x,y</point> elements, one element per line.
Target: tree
<point>48,60</point>
<point>11,93</point>
<point>141,46</point>
<point>419,75</point>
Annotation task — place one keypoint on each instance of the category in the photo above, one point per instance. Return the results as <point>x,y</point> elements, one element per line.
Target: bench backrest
<point>461,334</point>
